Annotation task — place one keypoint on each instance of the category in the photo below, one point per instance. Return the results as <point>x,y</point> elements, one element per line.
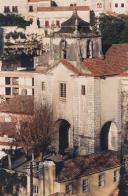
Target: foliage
<point>15,35</point>
<point>114,30</point>
<point>10,183</point>
<point>13,20</point>
<point>37,135</point>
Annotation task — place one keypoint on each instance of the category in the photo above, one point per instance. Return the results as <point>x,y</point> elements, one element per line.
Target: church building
<point>76,81</point>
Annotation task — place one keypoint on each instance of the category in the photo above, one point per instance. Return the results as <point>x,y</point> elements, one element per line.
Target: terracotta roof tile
<point>64,8</point>
<point>21,104</point>
<point>71,67</point>
<point>87,165</point>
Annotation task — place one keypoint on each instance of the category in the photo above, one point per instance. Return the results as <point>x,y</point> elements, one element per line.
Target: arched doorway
<point>109,136</point>
<point>64,126</point>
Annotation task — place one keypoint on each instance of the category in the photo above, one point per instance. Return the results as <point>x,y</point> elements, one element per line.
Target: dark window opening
<point>8,91</point>
<point>14,9</point>
<point>7,80</point>
<point>58,23</point>
<point>32,81</point>
<point>30,8</point>
<point>6,9</point>
<point>116,4</point>
<point>83,90</point>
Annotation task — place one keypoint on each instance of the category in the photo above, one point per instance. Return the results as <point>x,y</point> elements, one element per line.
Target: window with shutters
<point>62,90</point>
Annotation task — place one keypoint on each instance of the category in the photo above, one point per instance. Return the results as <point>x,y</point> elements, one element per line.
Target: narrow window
<point>46,24</point>
<point>101,182</point>
<point>116,176</point>
<point>30,8</point>
<point>85,185</point>
<point>62,90</point>
<point>46,33</point>
<point>122,4</point>
<point>32,81</point>
<point>7,80</point>
<point>35,189</point>
<point>43,86</point>
<point>8,91</point>
<point>69,188</point>
<point>33,91</point>
<point>58,23</point>
<point>83,90</point>
<point>98,5</point>
<point>116,4</point>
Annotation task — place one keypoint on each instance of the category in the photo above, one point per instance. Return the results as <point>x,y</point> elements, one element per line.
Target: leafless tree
<point>37,135</point>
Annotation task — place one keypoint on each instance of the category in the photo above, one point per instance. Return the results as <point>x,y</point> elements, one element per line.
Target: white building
<point>14,83</point>
<point>14,6</point>
<point>77,85</point>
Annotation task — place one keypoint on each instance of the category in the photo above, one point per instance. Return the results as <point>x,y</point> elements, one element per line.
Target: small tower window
<point>58,23</point>
<point>122,4</point>
<point>83,90</point>
<point>98,5</point>
<point>63,47</point>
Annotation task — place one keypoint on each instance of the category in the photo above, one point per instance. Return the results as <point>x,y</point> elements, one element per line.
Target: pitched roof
<point>87,165</point>
<point>69,25</point>
<point>114,63</point>
<point>20,104</point>
<point>62,8</point>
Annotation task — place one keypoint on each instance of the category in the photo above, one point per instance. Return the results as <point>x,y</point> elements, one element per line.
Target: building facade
<point>99,182</point>
<point>14,83</point>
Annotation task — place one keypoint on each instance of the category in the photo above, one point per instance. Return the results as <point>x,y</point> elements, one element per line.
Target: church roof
<point>115,63</point>
<point>70,25</point>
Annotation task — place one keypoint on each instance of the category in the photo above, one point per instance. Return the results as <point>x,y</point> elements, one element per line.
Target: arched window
<point>98,5</point>
<point>63,48</point>
<point>89,49</point>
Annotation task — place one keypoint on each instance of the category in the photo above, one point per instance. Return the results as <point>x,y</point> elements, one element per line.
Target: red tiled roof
<point>114,63</point>
<point>21,104</point>
<point>87,165</point>
<point>71,67</point>
<point>8,129</point>
<point>64,8</point>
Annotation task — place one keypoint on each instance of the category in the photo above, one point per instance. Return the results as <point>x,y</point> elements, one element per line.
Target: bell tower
<point>75,41</point>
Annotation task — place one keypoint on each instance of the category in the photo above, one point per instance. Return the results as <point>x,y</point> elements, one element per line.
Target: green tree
<point>113,30</point>
<point>10,183</point>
